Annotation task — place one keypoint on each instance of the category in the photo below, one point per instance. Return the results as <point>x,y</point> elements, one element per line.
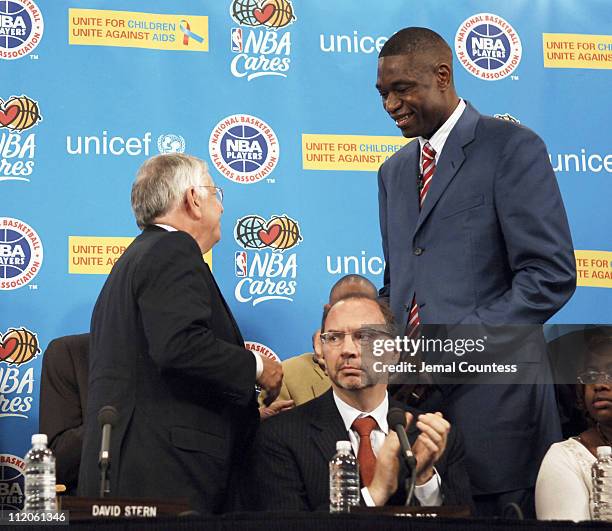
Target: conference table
<point>294,521</point>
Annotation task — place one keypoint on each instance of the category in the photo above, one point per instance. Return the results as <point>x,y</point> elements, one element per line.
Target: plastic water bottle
<point>39,476</point>
<point>343,479</point>
<point>601,473</point>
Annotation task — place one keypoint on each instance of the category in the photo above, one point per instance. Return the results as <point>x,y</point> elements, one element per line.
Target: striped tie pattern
<point>428,163</point>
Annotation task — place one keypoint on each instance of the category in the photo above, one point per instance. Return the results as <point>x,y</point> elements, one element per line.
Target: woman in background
<point>563,488</point>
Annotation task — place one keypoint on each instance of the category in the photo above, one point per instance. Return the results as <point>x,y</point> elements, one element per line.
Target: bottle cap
<point>39,438</point>
<point>604,451</point>
<point>343,446</point>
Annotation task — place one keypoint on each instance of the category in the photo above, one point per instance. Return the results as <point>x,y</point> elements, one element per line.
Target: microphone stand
<point>410,481</point>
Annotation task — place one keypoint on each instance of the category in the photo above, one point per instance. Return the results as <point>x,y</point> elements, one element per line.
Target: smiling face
<point>417,92</point>
<point>343,362</point>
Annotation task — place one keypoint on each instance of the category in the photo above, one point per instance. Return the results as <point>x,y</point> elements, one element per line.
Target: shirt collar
<point>438,139</point>
<point>349,413</point>
<point>166,227</point>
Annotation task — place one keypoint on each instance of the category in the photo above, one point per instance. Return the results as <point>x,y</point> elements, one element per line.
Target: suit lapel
<point>328,426</point>
<point>450,161</point>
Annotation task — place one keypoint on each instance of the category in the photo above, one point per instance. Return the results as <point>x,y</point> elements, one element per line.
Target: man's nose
<point>392,103</point>
<point>349,349</point>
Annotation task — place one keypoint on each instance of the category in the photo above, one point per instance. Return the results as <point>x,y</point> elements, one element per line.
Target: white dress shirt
<point>428,494</point>
<point>438,139</point>
<point>258,360</point>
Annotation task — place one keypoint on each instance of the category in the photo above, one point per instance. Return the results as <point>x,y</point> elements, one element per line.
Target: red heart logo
<point>265,14</point>
<point>7,116</point>
<point>7,348</point>
<point>270,235</point>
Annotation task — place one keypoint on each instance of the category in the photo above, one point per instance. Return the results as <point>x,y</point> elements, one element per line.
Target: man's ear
<point>444,76</point>
<point>192,202</point>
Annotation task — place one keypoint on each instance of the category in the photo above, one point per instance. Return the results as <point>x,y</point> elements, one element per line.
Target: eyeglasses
<point>218,192</point>
<point>361,337</point>
<point>592,377</point>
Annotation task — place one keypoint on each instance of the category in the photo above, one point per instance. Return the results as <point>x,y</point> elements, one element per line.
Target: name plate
<point>110,508</point>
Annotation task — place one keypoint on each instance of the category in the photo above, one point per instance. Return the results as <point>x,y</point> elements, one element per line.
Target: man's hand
<point>430,444</point>
<point>275,408</point>
<point>384,482</point>
<point>271,379</point>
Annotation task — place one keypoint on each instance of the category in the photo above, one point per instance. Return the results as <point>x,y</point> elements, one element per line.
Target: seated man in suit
<point>293,449</point>
<point>63,401</point>
<point>304,376</point>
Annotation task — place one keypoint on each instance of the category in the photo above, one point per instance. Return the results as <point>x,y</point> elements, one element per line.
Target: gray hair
<point>161,182</point>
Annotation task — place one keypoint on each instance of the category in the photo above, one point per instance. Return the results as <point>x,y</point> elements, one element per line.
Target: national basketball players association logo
<point>12,469</point>
<point>488,47</point>
<point>21,28</point>
<point>21,253</point>
<point>262,349</point>
<point>243,148</point>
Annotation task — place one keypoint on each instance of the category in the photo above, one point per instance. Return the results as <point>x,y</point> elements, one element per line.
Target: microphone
<point>107,418</point>
<point>396,419</point>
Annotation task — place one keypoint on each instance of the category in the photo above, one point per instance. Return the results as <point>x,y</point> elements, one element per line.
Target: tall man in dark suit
<point>293,449</point>
<point>167,353</point>
<point>474,232</point>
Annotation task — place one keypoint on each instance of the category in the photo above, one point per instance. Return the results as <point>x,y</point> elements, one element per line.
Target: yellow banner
<point>568,50</point>
<point>99,27</point>
<point>96,255</point>
<point>348,152</point>
<point>594,268</point>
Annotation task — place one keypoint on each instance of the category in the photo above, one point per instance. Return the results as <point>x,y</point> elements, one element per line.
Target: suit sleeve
<point>385,291</point>
<point>455,480</point>
<point>176,307</point>
<point>61,416</point>
<point>276,483</point>
<point>537,236</point>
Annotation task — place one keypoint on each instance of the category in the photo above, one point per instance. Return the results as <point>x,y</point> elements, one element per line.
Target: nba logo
<point>236,40</point>
<point>240,259</point>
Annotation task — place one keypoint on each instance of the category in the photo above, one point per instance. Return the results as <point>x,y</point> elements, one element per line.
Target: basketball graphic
<point>21,28</point>
<point>279,233</point>
<point>288,234</point>
<point>281,16</point>
<point>488,47</point>
<point>242,11</point>
<point>18,346</point>
<point>19,113</point>
<point>21,251</point>
<point>244,148</point>
<point>274,14</point>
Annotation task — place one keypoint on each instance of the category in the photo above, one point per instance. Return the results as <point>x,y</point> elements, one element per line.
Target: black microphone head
<point>107,415</point>
<point>396,416</point>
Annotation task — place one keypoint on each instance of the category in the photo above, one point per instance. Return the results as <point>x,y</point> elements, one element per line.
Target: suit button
<point>418,251</point>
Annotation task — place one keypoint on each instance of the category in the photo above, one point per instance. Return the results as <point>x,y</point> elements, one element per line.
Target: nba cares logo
<point>21,253</point>
<point>279,233</point>
<point>19,113</point>
<point>18,345</point>
<point>243,148</point>
<point>273,14</point>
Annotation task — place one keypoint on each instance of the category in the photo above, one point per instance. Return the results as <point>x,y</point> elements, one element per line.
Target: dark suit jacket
<point>63,402</point>
<point>491,245</point>
<point>166,352</point>
<point>292,453</point>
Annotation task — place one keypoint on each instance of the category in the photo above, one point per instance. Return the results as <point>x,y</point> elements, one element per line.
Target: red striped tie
<point>428,163</point>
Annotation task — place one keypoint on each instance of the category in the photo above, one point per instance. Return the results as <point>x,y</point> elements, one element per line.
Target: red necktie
<point>365,456</point>
<point>428,163</point>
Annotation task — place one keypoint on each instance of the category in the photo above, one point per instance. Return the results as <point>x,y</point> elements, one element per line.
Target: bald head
<point>352,285</point>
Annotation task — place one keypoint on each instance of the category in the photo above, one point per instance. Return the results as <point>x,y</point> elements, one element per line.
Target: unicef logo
<point>21,28</point>
<point>171,144</point>
<point>243,148</point>
<point>488,47</point>
<point>21,253</point>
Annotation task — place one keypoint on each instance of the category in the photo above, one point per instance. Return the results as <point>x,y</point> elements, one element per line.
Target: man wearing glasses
<point>166,352</point>
<point>293,449</point>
